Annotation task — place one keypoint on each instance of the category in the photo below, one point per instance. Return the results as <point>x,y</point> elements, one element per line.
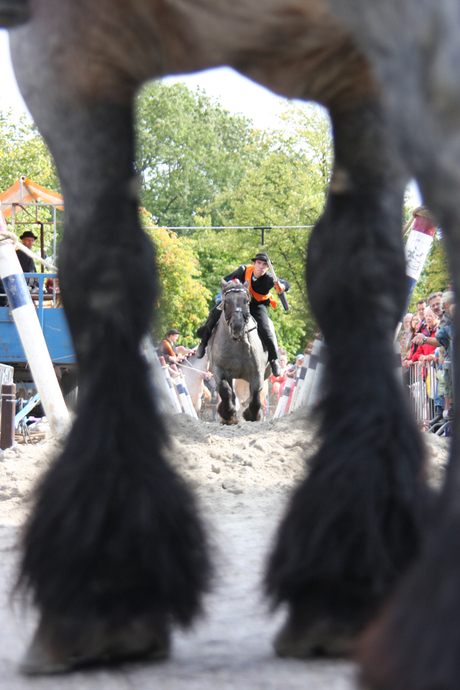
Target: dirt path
<point>243,476</point>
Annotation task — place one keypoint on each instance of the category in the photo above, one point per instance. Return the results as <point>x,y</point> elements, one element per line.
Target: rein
<point>181,363</point>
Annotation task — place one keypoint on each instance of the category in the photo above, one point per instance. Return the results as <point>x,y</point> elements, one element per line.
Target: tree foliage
<point>183,299</point>
<point>189,149</point>
<point>286,187</point>
<point>201,166</point>
<point>435,276</point>
<point>24,152</point>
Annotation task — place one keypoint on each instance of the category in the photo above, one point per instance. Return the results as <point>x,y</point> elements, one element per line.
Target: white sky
<point>235,93</point>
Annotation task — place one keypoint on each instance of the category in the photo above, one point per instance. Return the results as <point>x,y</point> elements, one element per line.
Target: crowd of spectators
<point>427,336</point>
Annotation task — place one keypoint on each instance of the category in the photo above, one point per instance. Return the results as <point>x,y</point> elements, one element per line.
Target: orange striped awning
<point>26,191</point>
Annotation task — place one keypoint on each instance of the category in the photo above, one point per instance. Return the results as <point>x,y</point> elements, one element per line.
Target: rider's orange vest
<point>260,298</point>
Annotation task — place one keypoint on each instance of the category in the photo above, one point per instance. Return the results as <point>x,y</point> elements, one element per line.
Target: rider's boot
<point>276,367</point>
<point>272,347</point>
<point>204,331</point>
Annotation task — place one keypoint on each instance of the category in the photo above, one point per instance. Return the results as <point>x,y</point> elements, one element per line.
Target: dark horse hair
<point>114,552</point>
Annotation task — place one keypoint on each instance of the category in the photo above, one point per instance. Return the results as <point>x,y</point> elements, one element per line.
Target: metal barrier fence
<point>423,387</point>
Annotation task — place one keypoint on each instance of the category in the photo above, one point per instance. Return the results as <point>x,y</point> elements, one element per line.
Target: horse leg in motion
<point>253,411</point>
<point>355,523</point>
<point>114,551</point>
<point>226,407</point>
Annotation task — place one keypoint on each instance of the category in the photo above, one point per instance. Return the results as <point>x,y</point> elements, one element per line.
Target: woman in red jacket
<point>423,351</point>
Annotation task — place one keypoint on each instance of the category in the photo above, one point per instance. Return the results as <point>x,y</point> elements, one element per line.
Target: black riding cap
<point>261,256</point>
<point>27,234</point>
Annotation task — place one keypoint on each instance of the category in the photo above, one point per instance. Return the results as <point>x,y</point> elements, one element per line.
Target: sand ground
<point>243,476</point>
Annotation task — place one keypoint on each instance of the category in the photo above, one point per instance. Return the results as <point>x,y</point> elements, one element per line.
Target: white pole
<point>316,391</point>
<point>32,338</point>
<point>282,402</point>
<point>172,390</point>
<point>166,398</point>
<point>310,374</point>
<point>300,384</point>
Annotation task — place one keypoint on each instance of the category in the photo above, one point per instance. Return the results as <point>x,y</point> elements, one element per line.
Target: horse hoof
<point>318,638</point>
<point>249,415</point>
<point>230,421</point>
<point>57,649</point>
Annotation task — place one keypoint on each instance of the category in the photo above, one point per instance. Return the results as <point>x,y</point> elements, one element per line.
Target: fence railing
<point>423,389</point>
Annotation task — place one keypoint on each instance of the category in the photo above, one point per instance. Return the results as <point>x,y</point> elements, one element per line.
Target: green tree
<point>287,186</point>
<point>435,275</point>
<point>189,149</point>
<point>24,152</point>
<point>183,301</point>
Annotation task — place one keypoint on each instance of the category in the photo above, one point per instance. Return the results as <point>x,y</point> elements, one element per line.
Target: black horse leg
<point>415,643</point>
<point>226,407</point>
<point>113,551</point>
<point>354,525</point>
<point>253,412</point>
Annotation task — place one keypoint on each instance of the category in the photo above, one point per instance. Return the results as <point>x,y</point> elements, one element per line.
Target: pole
<point>32,338</point>
<point>8,413</point>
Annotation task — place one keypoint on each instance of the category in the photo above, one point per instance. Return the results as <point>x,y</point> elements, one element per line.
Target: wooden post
<point>8,414</point>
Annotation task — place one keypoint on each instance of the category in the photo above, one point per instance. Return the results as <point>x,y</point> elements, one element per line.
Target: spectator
<point>421,306</point>
<point>27,263</point>
<point>423,348</point>
<point>414,329</point>
<point>278,382</point>
<point>444,337</point>
<point>447,300</point>
<point>167,347</point>
<point>294,369</point>
<point>435,303</point>
<point>406,337</point>
<point>52,288</point>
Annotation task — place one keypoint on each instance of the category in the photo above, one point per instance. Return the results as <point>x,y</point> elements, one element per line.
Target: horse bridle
<point>228,317</point>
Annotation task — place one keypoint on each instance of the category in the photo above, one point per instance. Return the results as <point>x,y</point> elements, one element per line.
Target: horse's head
<point>235,305</point>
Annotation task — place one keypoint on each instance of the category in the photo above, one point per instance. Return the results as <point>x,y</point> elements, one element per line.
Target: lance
<point>281,295</point>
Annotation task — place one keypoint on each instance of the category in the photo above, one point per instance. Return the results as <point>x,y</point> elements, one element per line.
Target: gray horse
<point>235,351</point>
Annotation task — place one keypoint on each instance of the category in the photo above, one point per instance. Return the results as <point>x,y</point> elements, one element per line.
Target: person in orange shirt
<point>167,347</point>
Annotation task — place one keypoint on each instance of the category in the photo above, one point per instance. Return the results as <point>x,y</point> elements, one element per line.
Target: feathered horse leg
<point>415,642</point>
<point>355,523</point>
<point>113,552</point>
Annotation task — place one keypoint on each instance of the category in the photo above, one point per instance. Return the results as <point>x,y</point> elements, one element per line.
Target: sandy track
<point>242,476</point>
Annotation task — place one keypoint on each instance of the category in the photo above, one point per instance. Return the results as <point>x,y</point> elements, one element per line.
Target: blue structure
<point>54,327</point>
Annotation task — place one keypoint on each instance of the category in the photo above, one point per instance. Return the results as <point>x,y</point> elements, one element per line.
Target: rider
<point>260,284</point>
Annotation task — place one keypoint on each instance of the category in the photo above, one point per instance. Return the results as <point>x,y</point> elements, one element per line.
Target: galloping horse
<point>235,351</point>
<point>114,552</point>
